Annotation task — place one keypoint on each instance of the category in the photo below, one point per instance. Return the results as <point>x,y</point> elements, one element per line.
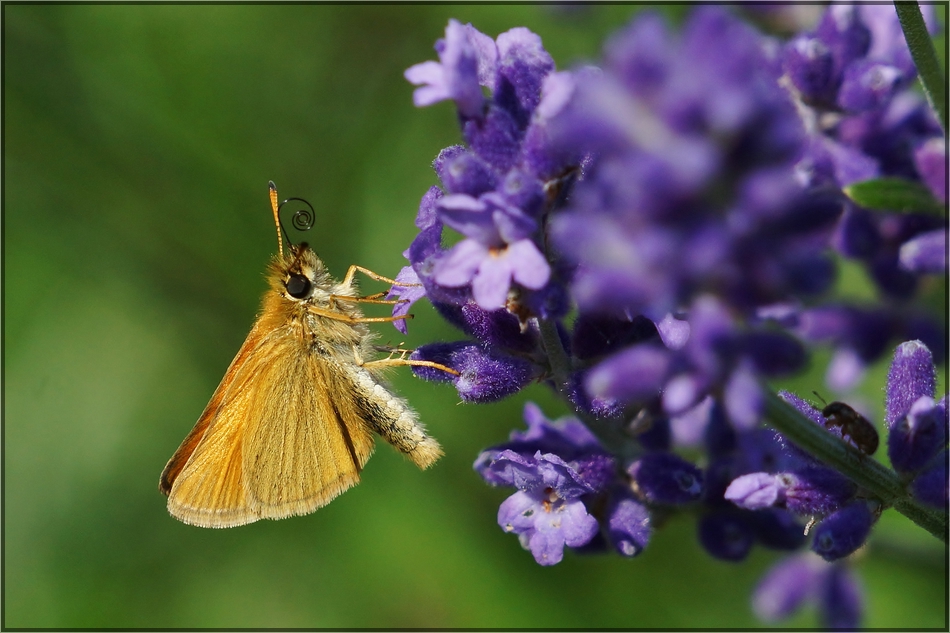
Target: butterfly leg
<point>399,362</point>
<point>351,272</point>
<point>374,298</point>
<point>384,362</point>
<point>341,316</point>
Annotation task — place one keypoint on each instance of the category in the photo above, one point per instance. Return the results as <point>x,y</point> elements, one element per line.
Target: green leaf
<point>893,194</point>
<point>932,77</point>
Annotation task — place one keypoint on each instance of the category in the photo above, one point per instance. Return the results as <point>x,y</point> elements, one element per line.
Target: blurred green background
<point>138,145</point>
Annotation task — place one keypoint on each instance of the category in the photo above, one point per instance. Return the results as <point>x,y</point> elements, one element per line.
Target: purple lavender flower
<point>726,536</point>
<point>656,121</point>
<point>930,159</point>
<point>853,76</point>
<point>556,466</point>
<point>497,251</point>
<point>546,522</point>
<point>926,253</point>
<point>806,492</point>
<point>457,75</point>
<point>862,335</point>
<point>843,531</point>
<point>665,478</point>
<point>683,200</point>
<point>918,426</point>
<point>629,525</point>
<point>931,486</point>
<point>485,375</point>
<point>496,189</point>
<point>916,438</point>
<point>784,589</point>
<point>912,375</point>
<point>805,578</point>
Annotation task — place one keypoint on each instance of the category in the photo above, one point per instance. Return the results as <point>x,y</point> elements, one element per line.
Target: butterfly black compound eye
<point>298,286</point>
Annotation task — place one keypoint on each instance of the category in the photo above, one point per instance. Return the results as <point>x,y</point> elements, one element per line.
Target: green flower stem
<point>924,56</point>
<point>611,438</point>
<point>863,470</point>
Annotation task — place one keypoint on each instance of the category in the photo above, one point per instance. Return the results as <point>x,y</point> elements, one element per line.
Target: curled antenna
<point>302,219</point>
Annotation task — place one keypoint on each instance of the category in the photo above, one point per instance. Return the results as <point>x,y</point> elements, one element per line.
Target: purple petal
<point>843,31</point>
<point>460,61</point>
<point>511,223</point>
<point>840,599</point>
<point>931,161</point>
<point>926,253</point>
<point>682,392</point>
<point>491,283</point>
<point>528,265</point>
<point>518,512</point>
<point>464,173</point>
<point>629,525</point>
<point>845,370</point>
<point>427,215</point>
<point>666,478</point>
<point>524,63</point>
<point>567,436</point>
<point>425,248</point>
<point>688,427</point>
<point>563,523</point>
<point>868,85</point>
<point>810,66</point>
<point>406,294</point>
<point>560,477</point>
<point>932,486</point>
<point>511,469</point>
<point>635,373</point>
<point>487,53</point>
<point>432,78</point>
<point>756,491</point>
<point>547,546</point>
<point>726,536</point>
<point>577,526</point>
<point>918,436</point>
<point>744,399</point>
<point>673,332</point>
<point>785,588</point>
<point>470,217</point>
<point>461,263</point>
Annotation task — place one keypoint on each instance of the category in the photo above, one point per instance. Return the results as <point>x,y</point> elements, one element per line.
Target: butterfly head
<point>300,276</point>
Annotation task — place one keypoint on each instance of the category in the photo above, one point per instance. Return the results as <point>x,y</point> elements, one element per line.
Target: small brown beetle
<point>853,425</point>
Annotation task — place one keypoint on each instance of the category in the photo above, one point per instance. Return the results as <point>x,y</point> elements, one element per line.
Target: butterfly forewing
<point>270,436</point>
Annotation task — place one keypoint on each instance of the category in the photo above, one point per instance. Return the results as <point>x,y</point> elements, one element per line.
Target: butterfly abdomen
<point>391,417</point>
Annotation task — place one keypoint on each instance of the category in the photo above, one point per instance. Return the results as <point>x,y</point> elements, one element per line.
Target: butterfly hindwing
<point>305,447</point>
